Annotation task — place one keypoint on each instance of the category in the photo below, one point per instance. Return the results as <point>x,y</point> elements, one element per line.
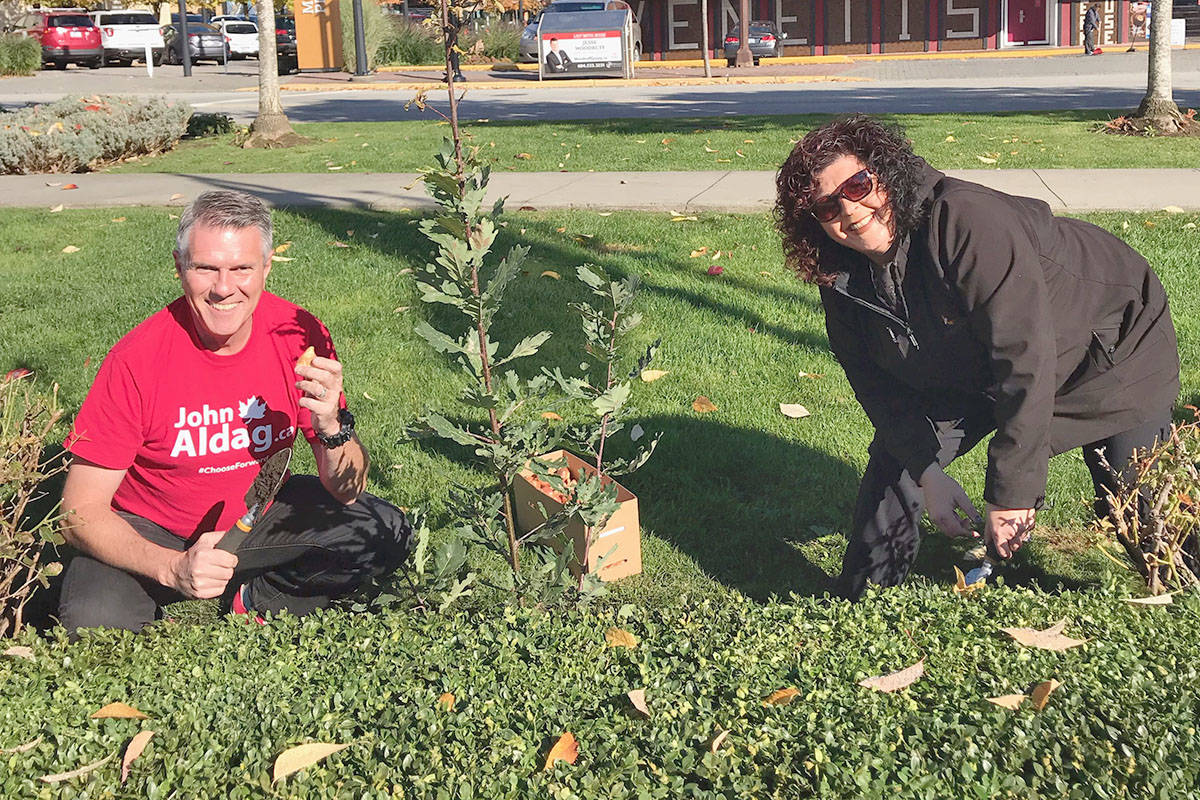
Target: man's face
<point>553,46</point>
<point>222,281</point>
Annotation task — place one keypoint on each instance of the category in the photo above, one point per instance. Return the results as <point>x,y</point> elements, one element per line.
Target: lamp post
<point>744,57</point>
<point>360,41</point>
<point>185,52</point>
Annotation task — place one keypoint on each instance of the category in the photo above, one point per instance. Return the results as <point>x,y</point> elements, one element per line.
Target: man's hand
<point>944,498</point>
<point>202,571</point>
<point>1008,528</point>
<point>321,382</point>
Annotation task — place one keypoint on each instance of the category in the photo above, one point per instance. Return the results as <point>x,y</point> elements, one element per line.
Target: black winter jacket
<point>1057,328</point>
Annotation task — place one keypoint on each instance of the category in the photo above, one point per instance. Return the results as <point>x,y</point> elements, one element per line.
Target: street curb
<point>607,83</point>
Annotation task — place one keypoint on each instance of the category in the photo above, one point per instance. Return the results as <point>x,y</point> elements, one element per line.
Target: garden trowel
<point>261,493</point>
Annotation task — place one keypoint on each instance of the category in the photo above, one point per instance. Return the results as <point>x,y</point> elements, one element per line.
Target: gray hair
<point>225,208</point>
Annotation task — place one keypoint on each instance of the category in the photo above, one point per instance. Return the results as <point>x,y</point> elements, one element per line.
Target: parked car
<point>230,18</point>
<point>243,37</point>
<point>285,44</point>
<point>125,35</point>
<point>68,36</point>
<point>765,41</point>
<point>205,43</point>
<point>529,45</point>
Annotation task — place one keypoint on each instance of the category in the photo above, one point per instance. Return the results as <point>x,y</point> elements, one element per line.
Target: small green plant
<point>19,55</point>
<point>406,43</point>
<point>501,41</point>
<point>204,124</point>
<point>26,422</point>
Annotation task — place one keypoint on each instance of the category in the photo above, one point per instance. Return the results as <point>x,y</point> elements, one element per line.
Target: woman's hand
<point>1008,528</point>
<point>944,499</point>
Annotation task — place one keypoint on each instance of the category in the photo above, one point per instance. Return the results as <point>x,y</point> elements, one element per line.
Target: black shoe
<point>461,78</point>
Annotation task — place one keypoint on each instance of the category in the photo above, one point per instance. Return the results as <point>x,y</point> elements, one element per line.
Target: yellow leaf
<point>793,410</point>
<point>550,415</point>
<point>739,154</point>
<point>811,375</point>
<point>1041,693</point>
<point>176,196</point>
<point>722,160</point>
<point>702,405</point>
<point>1010,701</point>
<point>297,758</point>
<point>615,637</point>
<point>960,583</point>
<point>667,140</point>
<point>368,397</point>
<point>565,749</point>
<point>1155,600</point>
<point>20,651</point>
<point>118,219</point>
<point>283,248</point>
<point>700,252</point>
<point>400,309</point>
<point>135,748</point>
<point>75,773</point>
<point>683,218</point>
<point>986,159</point>
<point>446,701</point>
<point>1149,224</point>
<point>56,208</point>
<point>551,274</point>
<point>1049,639</point>
<point>70,249</point>
<point>766,274</point>
<point>337,243</point>
<point>717,741</point>
<point>651,375</point>
<point>281,258</point>
<point>523,156</point>
<point>331,169</point>
<point>119,711</point>
<point>637,697</point>
<point>708,149</point>
<point>896,680</point>
<point>951,139</point>
<point>781,697</point>
<point>747,141</point>
<point>604,214</point>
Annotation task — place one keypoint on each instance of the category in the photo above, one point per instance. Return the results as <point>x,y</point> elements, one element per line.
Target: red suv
<point>67,36</point>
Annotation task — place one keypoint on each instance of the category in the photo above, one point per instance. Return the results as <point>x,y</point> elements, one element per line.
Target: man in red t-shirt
<point>183,411</point>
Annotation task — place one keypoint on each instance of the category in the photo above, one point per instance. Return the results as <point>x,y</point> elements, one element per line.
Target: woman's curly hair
<point>885,151</point>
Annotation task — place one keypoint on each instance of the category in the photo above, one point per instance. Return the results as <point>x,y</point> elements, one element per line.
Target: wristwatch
<point>346,419</point>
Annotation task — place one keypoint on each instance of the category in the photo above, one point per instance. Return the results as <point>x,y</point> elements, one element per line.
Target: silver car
<point>765,41</point>
<point>529,43</point>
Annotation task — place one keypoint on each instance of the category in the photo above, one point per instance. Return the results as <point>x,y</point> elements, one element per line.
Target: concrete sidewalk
<point>1066,190</point>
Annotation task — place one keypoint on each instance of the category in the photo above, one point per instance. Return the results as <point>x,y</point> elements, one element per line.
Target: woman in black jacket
<point>956,310</point>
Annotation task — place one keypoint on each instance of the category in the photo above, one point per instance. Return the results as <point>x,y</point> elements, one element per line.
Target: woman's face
<point>864,225</point>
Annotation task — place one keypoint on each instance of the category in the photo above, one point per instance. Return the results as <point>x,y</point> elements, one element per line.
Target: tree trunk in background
<point>704,42</point>
<point>1158,106</point>
<point>271,127</point>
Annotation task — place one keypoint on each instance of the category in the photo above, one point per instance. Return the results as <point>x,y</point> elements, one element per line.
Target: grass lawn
<point>949,141</point>
<point>738,507</point>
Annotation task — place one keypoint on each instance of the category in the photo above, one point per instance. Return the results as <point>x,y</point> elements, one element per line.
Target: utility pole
<point>744,57</point>
<point>185,52</point>
<point>360,41</point>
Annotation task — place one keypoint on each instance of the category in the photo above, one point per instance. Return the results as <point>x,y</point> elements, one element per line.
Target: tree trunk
<point>271,128</point>
<point>704,42</point>
<point>1158,106</point>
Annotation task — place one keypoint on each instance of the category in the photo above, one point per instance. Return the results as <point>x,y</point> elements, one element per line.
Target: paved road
<point>1114,80</point>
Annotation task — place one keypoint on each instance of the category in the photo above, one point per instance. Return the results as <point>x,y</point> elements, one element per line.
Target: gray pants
<point>306,551</point>
<point>885,533</point>
<point>1089,41</point>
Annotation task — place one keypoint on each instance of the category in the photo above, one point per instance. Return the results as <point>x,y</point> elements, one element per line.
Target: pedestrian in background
<point>1091,21</point>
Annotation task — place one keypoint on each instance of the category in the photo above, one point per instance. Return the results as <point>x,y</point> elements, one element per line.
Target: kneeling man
<point>184,410</point>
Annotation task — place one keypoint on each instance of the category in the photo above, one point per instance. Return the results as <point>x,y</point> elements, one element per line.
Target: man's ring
<point>321,396</point>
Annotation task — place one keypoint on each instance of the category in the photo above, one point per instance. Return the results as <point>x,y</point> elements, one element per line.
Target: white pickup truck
<point>126,34</point>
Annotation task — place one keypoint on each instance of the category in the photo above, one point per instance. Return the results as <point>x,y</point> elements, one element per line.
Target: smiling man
<point>183,412</point>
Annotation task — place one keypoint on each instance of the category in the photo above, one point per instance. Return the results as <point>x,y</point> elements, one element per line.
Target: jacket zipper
<point>883,312</point>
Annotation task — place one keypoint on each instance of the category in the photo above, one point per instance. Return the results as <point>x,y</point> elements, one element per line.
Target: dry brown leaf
<point>176,196</point>
<point>523,156</point>
<point>368,397</point>
<point>1010,701</point>
<point>283,248</point>
<point>1041,693</point>
<point>638,698</point>
<point>708,149</point>
<point>667,140</point>
<point>23,748</point>
<point>20,651</point>
<point>960,583</point>
<point>793,410</point>
<point>895,680</point>
<point>297,758</point>
<point>986,159</point>
<point>117,219</point>
<point>446,701</point>
<point>550,415</point>
<point>75,773</point>
<point>766,274</point>
<point>338,243</point>
<point>119,711</point>
<point>400,309</point>
<point>565,749</point>
<point>70,249</point>
<point>135,748</point>
<point>67,186</point>
<point>1049,639</point>
<point>781,697</point>
<point>811,375</point>
<point>306,358</point>
<point>615,637</point>
<point>699,252</point>
<point>405,271</point>
<point>651,375</point>
<point>551,274</point>
<point>1153,600</point>
<point>717,741</point>
<point>56,208</point>
<point>702,405</point>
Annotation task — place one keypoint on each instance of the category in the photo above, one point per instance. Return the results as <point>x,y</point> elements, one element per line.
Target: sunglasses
<point>854,188</point>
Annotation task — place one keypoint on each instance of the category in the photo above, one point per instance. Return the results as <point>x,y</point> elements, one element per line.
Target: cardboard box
<point>621,534</point>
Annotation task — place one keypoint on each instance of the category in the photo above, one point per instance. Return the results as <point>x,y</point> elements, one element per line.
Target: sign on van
<point>585,44</point>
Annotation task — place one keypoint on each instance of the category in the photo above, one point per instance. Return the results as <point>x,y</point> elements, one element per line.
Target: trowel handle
<point>236,535</point>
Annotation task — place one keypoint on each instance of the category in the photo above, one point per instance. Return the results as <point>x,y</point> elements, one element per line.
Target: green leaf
<point>526,347</point>
<point>437,340</point>
<point>612,399</point>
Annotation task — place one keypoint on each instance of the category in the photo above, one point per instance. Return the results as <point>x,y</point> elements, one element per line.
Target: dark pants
<point>885,532</point>
<point>1089,41</point>
<point>306,551</point>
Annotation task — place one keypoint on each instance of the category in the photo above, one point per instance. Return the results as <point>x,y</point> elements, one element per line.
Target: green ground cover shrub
<point>408,43</point>
<point>202,124</point>
<point>19,55</point>
<point>77,134</point>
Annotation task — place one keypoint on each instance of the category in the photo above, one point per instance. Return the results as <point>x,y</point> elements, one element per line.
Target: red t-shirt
<point>190,426</point>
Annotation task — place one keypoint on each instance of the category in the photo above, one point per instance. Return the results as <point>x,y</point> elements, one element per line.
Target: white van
<point>125,35</point>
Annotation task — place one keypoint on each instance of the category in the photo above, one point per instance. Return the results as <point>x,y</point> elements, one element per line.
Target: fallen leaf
<point>637,697</point>
<point>51,183</point>
<point>523,156</point>
<point>400,309</point>
<point>20,651</point>
<point>1010,701</point>
<point>739,154</point>
<point>368,397</point>
<point>950,139</point>
<point>615,637</point>
<point>1190,225</point>
<point>717,741</point>
<point>683,218</point>
<point>75,773</point>
<point>350,233</point>
<point>117,219</point>
<point>766,274</point>
<point>405,271</point>
<point>338,243</point>
<point>716,255</point>
<point>1173,209</point>
<point>332,169</point>
<point>781,697</point>
<point>1149,223</point>
<point>23,748</point>
<point>561,230</point>
<point>67,186</point>
<point>896,680</point>
<point>446,701</point>
<point>651,375</point>
<point>1154,600</point>
<point>986,159</point>
<point>702,405</point>
<point>550,415</point>
<point>1049,639</point>
<point>747,141</point>
<point>699,252</point>
<point>297,758</point>
<point>708,149</point>
<point>176,196</point>
<point>1041,693</point>
<point>551,274</point>
<point>70,249</point>
<point>135,748</point>
<point>18,373</point>
<point>960,583</point>
<point>722,160</point>
<point>56,208</point>
<point>119,711</point>
<point>282,258</point>
<point>793,410</point>
<point>811,375</point>
<point>667,140</point>
<point>604,214</point>
<point>715,270</point>
<point>283,248</point>
<point>565,749</point>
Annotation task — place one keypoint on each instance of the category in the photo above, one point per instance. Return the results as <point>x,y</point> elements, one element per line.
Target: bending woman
<point>956,310</point>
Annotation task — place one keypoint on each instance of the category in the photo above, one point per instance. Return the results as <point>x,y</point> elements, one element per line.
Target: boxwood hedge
<point>226,698</point>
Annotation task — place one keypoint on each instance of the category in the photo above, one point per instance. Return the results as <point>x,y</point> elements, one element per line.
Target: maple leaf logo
<point>252,408</point>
